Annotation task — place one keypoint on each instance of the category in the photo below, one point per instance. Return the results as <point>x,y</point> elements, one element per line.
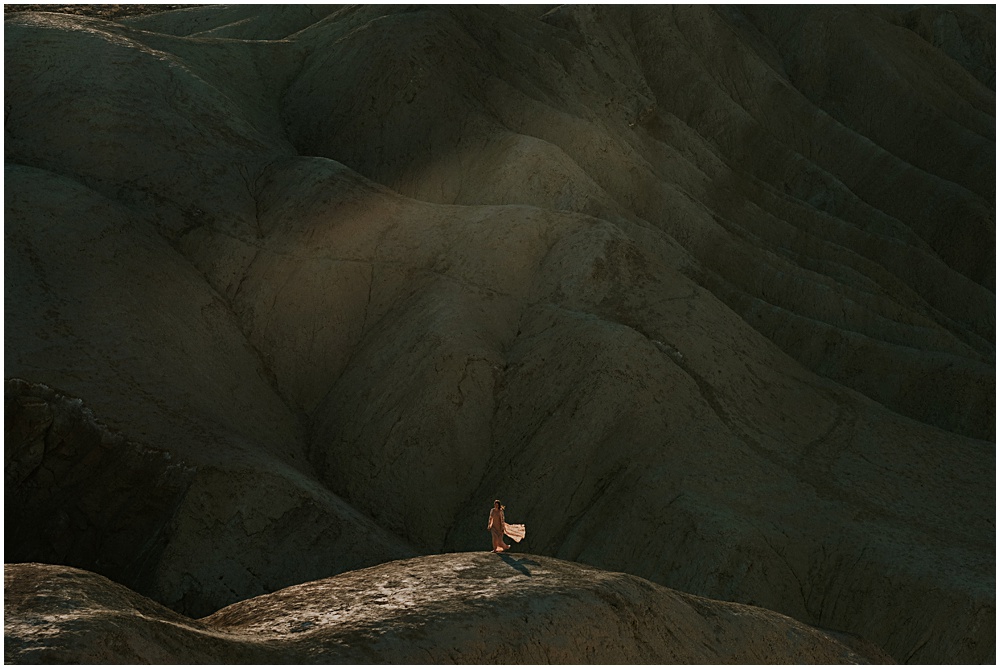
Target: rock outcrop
<point>465,608</point>
<point>706,295</point>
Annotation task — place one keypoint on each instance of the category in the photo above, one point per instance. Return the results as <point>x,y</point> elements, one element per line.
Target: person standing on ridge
<point>498,527</point>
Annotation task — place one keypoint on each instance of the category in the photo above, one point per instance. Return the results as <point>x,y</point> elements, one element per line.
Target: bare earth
<point>705,294</point>
<point>466,608</point>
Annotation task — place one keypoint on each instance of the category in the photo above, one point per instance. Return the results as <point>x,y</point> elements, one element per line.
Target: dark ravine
<point>465,608</point>
<point>77,493</point>
<point>704,294</point>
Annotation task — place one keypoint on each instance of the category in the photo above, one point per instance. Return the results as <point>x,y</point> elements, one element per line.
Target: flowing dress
<point>496,529</point>
<point>515,532</point>
<point>499,527</point>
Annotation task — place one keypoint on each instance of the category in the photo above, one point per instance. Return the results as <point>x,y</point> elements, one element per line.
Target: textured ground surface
<point>706,295</point>
<point>467,608</point>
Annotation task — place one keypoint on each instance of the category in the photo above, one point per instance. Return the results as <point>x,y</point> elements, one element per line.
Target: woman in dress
<point>498,527</point>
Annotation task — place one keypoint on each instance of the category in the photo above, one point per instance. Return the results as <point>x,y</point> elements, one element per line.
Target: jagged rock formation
<point>705,294</point>
<point>465,608</point>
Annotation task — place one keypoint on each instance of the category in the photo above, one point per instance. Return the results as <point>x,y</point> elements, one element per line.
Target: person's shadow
<point>519,564</point>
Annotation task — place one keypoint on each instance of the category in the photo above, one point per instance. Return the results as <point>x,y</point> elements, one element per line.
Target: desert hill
<point>467,608</point>
<point>706,295</point>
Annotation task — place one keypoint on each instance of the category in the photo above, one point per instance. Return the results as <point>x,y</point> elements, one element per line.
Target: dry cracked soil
<point>705,294</point>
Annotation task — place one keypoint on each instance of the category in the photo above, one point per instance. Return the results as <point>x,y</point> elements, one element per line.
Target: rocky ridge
<point>466,608</point>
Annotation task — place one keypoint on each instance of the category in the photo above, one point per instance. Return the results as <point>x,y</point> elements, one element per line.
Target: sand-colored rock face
<point>466,608</point>
<point>704,294</point>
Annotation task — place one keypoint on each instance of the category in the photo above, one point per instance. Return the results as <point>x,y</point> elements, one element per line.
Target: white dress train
<point>515,532</point>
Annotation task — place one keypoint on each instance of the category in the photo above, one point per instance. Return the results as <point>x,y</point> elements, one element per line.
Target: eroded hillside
<point>706,295</point>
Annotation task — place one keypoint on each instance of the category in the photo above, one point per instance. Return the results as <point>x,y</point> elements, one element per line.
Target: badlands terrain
<point>466,608</point>
<point>706,295</point>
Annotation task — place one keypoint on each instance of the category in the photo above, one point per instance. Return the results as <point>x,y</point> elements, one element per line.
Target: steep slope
<point>652,275</point>
<point>466,608</point>
<point>639,114</point>
<point>188,531</point>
